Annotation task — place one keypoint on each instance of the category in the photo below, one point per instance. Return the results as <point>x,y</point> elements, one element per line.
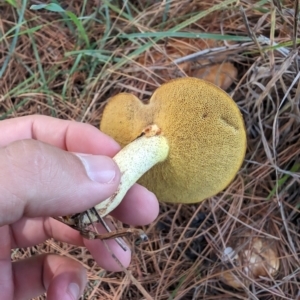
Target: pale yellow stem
<point>134,160</point>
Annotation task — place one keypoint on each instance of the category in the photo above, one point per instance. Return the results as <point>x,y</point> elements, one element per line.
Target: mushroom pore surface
<point>204,129</point>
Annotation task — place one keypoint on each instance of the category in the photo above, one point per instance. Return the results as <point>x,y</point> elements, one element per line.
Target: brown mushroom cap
<point>257,259</point>
<point>204,129</point>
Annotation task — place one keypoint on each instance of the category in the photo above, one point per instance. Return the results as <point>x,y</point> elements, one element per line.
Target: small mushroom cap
<point>205,131</point>
<point>259,260</point>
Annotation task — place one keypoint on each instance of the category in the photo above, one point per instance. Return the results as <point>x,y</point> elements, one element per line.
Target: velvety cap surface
<point>204,129</point>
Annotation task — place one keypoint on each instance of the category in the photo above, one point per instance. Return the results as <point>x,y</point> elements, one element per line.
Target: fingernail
<point>101,169</point>
<point>73,290</point>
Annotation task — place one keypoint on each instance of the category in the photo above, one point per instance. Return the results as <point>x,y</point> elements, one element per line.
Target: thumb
<point>37,179</point>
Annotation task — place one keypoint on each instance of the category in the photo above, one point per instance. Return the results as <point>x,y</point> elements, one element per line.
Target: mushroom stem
<point>134,160</point>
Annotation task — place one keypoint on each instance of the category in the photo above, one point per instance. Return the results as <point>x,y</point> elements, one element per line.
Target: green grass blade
<point>12,3</point>
<point>54,7</point>
<point>182,25</point>
<point>51,7</point>
<point>15,39</point>
<point>283,179</point>
<point>168,34</point>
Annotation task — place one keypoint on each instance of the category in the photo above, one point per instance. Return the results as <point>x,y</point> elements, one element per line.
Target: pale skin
<point>40,177</point>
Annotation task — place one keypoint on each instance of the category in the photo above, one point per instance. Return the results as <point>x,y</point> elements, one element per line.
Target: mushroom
<point>185,145</point>
<point>258,259</point>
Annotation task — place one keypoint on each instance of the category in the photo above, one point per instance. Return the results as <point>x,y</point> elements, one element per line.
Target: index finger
<point>67,135</point>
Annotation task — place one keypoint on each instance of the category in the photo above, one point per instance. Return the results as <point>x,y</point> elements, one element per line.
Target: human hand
<point>40,178</point>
